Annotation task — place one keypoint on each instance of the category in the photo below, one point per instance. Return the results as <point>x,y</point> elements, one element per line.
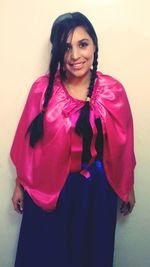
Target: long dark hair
<point>62,26</point>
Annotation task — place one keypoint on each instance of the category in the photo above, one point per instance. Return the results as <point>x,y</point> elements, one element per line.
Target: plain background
<point>123,28</point>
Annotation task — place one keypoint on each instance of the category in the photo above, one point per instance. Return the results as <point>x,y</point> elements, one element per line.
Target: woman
<point>73,153</point>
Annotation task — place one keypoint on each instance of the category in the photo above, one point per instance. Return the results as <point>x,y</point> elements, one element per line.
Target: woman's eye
<point>68,47</point>
<point>83,44</point>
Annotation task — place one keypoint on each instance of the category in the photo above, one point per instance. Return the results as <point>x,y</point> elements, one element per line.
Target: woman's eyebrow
<point>82,40</point>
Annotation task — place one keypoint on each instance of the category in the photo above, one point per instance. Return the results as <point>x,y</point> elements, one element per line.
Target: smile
<point>77,65</point>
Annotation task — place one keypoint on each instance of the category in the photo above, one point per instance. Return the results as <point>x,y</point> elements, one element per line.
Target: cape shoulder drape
<point>43,171</point>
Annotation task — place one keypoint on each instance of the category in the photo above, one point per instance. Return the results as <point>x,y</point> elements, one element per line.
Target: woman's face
<point>79,53</point>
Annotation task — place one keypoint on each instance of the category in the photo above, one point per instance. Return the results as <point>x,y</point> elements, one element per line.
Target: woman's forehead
<point>78,34</point>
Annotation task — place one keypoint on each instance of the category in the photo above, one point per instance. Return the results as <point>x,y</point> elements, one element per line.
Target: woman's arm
<point>17,198</point>
<point>127,207</point>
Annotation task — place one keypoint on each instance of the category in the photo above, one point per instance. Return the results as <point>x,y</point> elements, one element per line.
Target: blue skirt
<point>78,233</point>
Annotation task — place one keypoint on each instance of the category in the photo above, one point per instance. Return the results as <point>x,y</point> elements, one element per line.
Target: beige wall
<point>124,34</point>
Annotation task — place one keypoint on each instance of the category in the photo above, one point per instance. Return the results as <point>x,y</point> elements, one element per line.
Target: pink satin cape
<point>43,171</point>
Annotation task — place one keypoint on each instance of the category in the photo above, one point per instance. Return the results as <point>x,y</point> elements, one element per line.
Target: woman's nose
<point>75,54</point>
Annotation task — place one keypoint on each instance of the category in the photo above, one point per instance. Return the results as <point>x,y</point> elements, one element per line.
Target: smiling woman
<point>73,153</point>
<point>78,60</point>
<point>79,53</point>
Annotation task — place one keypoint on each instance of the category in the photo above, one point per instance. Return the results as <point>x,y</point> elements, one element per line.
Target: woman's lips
<point>76,65</point>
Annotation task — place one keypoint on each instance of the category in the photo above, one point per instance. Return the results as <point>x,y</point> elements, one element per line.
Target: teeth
<point>77,65</point>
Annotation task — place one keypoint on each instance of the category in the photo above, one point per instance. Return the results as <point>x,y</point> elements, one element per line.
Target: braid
<point>36,128</point>
<point>83,126</point>
<point>52,70</point>
<point>95,63</point>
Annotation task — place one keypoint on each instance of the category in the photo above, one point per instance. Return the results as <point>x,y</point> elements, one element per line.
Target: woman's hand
<point>127,207</point>
<point>17,198</point>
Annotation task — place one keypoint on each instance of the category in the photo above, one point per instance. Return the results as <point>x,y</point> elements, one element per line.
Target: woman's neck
<point>78,81</point>
<point>78,86</point>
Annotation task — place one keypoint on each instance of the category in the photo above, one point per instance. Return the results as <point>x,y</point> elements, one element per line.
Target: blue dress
<point>79,232</point>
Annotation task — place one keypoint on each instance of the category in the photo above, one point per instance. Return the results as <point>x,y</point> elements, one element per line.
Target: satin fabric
<point>43,171</point>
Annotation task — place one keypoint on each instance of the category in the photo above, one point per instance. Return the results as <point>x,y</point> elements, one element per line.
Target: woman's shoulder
<point>108,81</point>
<point>40,84</point>
<point>109,88</point>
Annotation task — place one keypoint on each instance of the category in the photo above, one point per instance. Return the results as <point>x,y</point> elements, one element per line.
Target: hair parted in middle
<point>61,28</point>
